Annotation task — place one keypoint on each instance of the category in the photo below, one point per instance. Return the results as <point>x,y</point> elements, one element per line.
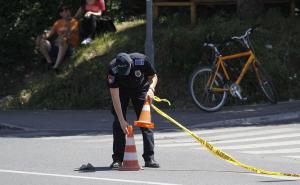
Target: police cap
<point>123,64</point>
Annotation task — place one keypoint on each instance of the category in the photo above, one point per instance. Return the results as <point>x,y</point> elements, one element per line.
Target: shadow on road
<point>95,169</point>
<point>275,181</point>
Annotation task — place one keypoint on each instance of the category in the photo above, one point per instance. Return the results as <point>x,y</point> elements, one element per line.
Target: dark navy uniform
<point>132,87</point>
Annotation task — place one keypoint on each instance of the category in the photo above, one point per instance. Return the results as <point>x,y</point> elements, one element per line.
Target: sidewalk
<point>101,120</point>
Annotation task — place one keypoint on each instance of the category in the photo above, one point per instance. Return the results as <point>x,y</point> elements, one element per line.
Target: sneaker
<point>86,41</point>
<point>151,164</point>
<point>115,165</point>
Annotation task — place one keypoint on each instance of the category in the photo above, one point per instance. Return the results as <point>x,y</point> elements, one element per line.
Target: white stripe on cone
<point>130,156</point>
<point>130,141</point>
<point>146,108</point>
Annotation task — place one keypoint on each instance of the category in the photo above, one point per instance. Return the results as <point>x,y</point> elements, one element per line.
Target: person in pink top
<point>92,10</point>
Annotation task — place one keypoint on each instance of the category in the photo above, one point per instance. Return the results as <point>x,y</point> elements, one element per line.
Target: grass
<point>178,50</point>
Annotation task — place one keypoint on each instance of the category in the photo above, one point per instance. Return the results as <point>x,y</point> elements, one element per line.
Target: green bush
<point>178,50</point>
<point>21,22</point>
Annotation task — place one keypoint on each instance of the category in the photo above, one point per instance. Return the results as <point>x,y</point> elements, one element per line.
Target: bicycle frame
<point>221,66</point>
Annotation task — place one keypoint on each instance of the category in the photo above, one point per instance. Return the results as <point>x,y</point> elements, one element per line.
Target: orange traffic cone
<point>130,161</point>
<point>145,116</point>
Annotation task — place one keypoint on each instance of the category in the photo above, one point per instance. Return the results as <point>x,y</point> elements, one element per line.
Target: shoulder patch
<point>139,62</point>
<point>114,70</point>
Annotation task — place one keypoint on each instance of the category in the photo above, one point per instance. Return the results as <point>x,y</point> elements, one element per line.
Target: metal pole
<point>149,46</point>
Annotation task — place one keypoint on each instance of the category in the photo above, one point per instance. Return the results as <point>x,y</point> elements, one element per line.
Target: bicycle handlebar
<point>247,33</point>
<point>244,39</point>
<point>211,45</point>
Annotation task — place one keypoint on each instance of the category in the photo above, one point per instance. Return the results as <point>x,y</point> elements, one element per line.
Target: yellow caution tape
<point>157,99</point>
<point>214,150</point>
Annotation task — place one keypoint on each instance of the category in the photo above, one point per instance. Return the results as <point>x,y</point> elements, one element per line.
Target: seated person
<point>66,31</point>
<point>92,10</point>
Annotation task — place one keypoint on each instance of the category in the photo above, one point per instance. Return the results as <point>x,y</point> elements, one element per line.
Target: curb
<point>6,126</point>
<point>256,120</point>
<point>251,120</point>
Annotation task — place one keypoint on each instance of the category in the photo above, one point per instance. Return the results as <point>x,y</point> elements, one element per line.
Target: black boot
<point>151,164</point>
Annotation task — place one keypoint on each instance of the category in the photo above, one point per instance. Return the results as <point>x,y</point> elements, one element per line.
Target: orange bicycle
<point>210,86</point>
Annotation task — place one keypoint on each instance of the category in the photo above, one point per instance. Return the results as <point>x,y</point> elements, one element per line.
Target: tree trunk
<point>248,9</point>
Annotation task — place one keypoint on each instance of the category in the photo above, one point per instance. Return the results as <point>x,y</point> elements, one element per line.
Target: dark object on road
<point>87,167</point>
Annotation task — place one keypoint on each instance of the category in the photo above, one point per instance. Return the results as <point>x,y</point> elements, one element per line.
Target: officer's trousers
<point>137,98</point>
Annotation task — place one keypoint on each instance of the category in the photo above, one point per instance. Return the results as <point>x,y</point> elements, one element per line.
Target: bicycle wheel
<point>265,83</point>
<point>203,98</point>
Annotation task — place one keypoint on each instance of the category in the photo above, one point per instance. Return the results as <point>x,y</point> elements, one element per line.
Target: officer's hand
<point>124,125</point>
<point>150,94</point>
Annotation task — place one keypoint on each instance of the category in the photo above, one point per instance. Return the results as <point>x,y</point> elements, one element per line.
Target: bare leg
<point>44,47</point>
<point>63,46</point>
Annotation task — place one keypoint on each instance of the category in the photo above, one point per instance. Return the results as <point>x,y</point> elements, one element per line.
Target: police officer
<point>131,77</point>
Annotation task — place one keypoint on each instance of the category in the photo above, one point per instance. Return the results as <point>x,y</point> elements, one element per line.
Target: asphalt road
<point>55,159</point>
<point>50,145</point>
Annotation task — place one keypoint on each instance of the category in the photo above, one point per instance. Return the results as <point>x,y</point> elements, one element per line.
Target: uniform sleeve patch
<point>111,79</point>
<point>139,62</point>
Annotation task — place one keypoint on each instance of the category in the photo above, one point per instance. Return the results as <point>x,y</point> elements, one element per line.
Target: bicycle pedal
<point>238,94</point>
<point>244,99</point>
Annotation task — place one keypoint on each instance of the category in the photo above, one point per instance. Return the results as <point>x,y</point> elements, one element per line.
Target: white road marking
<point>178,145</point>
<point>102,141</point>
<point>77,137</point>
<point>282,136</point>
<point>184,142</point>
<point>255,133</point>
<point>83,177</point>
<point>280,151</point>
<point>296,157</point>
<point>260,145</point>
<point>277,177</point>
<point>203,132</point>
